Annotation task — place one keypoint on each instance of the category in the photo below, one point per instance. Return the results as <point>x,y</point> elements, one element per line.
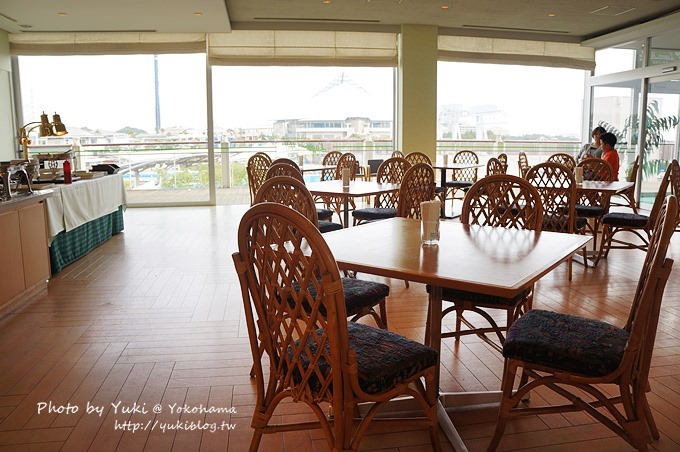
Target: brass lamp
<point>47,129</point>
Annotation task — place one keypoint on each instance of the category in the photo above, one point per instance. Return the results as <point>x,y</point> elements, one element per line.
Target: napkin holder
<point>429,222</point>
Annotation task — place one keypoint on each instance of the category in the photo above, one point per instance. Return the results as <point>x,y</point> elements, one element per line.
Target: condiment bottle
<point>67,172</point>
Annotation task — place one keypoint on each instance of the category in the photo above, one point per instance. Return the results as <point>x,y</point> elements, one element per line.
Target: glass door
<point>661,133</point>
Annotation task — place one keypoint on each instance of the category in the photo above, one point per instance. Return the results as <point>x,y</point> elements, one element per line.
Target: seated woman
<point>593,149</point>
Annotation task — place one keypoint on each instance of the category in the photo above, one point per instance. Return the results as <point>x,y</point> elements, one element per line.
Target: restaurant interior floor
<point>154,318</point>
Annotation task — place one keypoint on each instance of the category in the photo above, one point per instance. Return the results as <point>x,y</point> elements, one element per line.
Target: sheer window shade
<point>105,43</point>
<point>516,51</point>
<point>284,47</point>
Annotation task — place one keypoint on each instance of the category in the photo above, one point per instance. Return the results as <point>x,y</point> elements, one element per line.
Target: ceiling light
<point>326,2</point>
<point>552,14</point>
<point>62,14</point>
<point>198,14</point>
<point>444,6</point>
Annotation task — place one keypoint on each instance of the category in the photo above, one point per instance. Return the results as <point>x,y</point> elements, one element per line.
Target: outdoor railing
<point>181,165</point>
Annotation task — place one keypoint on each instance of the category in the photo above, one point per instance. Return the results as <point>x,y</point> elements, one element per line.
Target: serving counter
<point>82,216</point>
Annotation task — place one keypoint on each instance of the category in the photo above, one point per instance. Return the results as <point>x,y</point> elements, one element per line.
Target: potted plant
<point>655,127</point>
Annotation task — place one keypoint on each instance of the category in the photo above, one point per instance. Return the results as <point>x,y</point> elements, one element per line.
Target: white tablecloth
<point>82,201</point>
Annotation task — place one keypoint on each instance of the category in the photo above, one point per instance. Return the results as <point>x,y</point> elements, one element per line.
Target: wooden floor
<point>151,321</point>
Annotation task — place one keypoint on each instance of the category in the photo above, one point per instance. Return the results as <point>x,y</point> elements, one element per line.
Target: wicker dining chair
<point>335,203</point>
<point>417,186</point>
<point>287,161</point>
<point>503,158</point>
<point>330,159</point>
<point>557,186</point>
<point>281,167</point>
<point>636,230</point>
<point>418,157</point>
<point>256,170</point>
<point>627,198</point>
<point>397,153</point>
<point>506,201</point>
<point>294,308</point>
<point>593,205</point>
<point>462,179</point>
<point>590,365</point>
<point>494,166</point>
<point>564,159</point>
<point>392,171</point>
<point>361,296</point>
<point>523,163</point>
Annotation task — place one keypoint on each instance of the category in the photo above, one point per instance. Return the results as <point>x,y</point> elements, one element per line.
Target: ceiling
<point>571,21</point>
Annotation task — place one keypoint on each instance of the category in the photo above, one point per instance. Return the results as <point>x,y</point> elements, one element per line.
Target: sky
<point>112,92</point>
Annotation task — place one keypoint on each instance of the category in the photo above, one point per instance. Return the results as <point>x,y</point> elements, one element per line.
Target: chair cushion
<point>481,299</point>
<point>459,183</point>
<point>566,342</point>
<point>589,211</point>
<point>361,294</point>
<point>630,220</point>
<point>384,359</point>
<point>581,222</point>
<point>324,214</point>
<point>374,213</point>
<point>327,226</point>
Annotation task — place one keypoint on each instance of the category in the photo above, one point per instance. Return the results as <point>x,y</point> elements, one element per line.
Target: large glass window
<point>300,113</point>
<point>145,113</point>
<point>619,59</point>
<point>496,109</point>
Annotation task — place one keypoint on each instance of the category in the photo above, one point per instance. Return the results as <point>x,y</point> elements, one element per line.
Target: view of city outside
<point>148,113</point>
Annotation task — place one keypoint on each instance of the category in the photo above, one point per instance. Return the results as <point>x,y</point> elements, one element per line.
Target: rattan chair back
<point>291,192</point>
<point>564,159</point>
<point>330,159</point>
<point>467,174</point>
<point>503,200</point>
<point>347,160</point>
<point>418,157</point>
<point>503,158</point>
<point>290,162</point>
<point>557,187</point>
<point>417,186</point>
<point>278,168</point>
<point>397,153</point>
<point>390,171</point>
<point>256,169</point>
<point>494,166</point>
<point>523,163</point>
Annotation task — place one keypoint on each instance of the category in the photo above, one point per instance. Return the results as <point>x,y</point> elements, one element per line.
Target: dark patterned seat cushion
<point>459,183</point>
<point>374,213</point>
<point>327,226</point>
<point>581,222</point>
<point>384,359</point>
<point>481,299</point>
<point>630,220</point>
<point>589,211</point>
<point>324,214</point>
<point>566,342</point>
<point>359,294</point>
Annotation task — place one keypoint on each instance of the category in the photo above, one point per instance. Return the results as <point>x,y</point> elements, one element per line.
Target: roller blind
<point>515,51</point>
<point>285,47</point>
<point>105,43</point>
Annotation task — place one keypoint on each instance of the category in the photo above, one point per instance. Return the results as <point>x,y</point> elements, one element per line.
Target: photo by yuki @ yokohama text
<point>218,416</point>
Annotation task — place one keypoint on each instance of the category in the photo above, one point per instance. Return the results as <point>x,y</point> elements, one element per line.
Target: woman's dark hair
<point>600,130</point>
